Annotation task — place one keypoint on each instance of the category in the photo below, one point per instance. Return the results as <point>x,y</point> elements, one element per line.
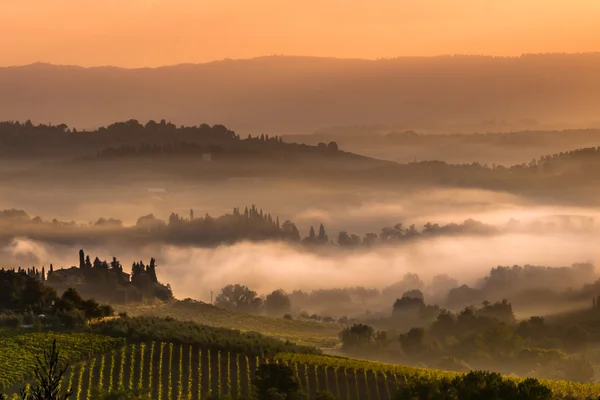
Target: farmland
<point>25,346</point>
<point>301,332</point>
<point>173,371</point>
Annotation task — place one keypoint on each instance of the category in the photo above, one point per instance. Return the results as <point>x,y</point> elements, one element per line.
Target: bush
<point>11,320</point>
<point>476,385</point>
<point>276,381</point>
<point>71,319</point>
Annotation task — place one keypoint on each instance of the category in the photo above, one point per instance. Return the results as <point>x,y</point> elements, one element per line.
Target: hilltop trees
<point>277,303</point>
<point>21,292</point>
<point>321,238</point>
<point>239,298</point>
<point>107,280</point>
<point>251,223</point>
<point>25,296</point>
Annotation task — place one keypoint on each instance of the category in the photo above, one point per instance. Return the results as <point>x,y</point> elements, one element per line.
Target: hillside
<point>300,332</point>
<point>284,95</point>
<point>24,346</point>
<point>169,371</point>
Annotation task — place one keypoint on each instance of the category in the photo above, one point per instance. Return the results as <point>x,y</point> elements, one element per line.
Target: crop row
<point>170,371</point>
<point>400,373</point>
<point>18,355</point>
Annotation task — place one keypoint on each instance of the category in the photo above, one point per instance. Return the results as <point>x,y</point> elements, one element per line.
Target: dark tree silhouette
<point>238,297</point>
<point>277,303</point>
<point>48,372</point>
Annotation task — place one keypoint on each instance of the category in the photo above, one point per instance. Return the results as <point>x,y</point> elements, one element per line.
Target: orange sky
<point>137,33</point>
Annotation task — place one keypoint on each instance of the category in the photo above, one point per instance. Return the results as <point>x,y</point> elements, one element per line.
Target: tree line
<point>251,223</point>
<point>131,138</point>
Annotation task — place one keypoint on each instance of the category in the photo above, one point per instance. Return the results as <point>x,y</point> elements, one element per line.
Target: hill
<point>283,95</point>
<point>168,370</point>
<point>491,144</point>
<point>300,332</point>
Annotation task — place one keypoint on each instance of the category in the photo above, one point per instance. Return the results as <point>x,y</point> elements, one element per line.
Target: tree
<point>323,238</point>
<point>576,368</point>
<point>276,381</point>
<point>277,303</point>
<point>414,294</point>
<point>345,239</point>
<point>357,335</point>
<point>413,342</point>
<point>237,297</point>
<point>408,307</point>
<point>501,310</point>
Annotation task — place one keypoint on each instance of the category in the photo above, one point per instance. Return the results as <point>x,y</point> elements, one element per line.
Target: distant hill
<point>283,95</point>
<point>493,144</point>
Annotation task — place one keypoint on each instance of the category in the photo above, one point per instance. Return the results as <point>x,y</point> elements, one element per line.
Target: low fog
<point>338,208</point>
<point>194,271</point>
<point>517,232</point>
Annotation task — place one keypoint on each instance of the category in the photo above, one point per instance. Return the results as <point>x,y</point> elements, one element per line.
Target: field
<point>188,372</point>
<point>19,351</point>
<point>300,332</point>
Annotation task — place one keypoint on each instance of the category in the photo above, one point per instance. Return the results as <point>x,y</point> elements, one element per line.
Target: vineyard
<point>188,372</point>
<point>19,351</point>
<point>300,332</point>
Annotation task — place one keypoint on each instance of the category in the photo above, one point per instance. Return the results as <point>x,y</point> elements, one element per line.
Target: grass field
<point>300,332</point>
<point>186,372</point>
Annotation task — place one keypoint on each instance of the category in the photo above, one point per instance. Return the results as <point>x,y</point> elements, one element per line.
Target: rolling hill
<point>301,332</point>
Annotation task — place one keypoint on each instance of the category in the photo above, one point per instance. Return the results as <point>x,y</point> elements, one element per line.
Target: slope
<point>300,332</point>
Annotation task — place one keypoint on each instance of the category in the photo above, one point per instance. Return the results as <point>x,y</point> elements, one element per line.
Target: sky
<point>150,33</point>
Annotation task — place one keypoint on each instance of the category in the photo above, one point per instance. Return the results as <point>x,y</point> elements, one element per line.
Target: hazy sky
<point>136,33</point>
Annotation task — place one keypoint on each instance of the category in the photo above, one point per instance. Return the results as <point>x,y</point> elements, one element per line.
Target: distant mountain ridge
<point>285,95</point>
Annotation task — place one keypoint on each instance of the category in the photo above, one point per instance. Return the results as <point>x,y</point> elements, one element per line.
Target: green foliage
<point>49,372</point>
<point>24,296</point>
<point>239,298</point>
<point>26,347</point>
<point>301,332</point>
<point>476,385</point>
<point>277,303</point>
<point>276,381</point>
<point>125,394</point>
<point>323,396</point>
<point>357,336</point>
<point>147,329</point>
<point>435,382</point>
